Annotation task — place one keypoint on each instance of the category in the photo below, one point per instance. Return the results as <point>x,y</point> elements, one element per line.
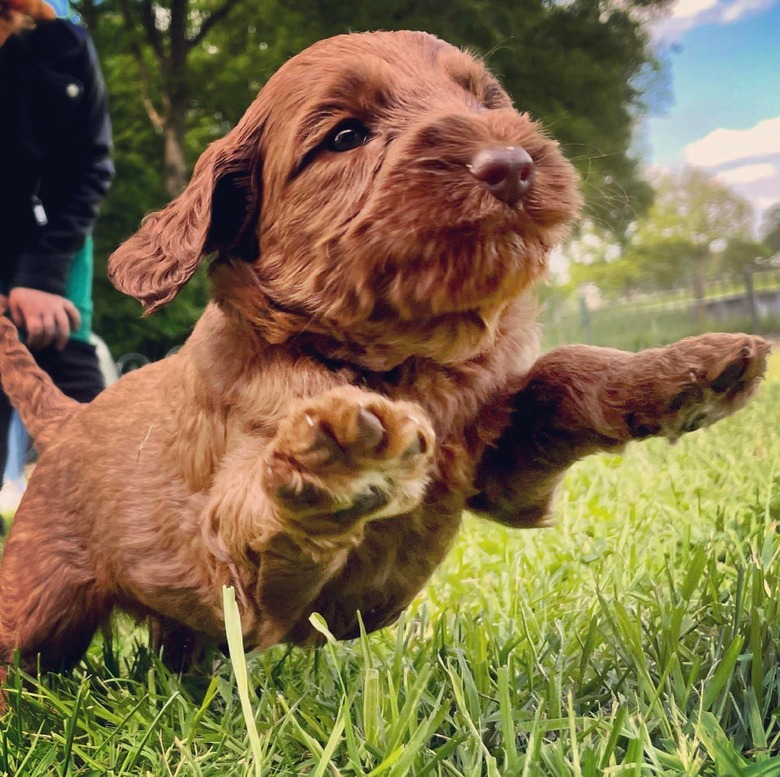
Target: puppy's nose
<point>507,172</point>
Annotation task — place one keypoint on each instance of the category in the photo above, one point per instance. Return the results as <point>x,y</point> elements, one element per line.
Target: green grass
<point>638,636</point>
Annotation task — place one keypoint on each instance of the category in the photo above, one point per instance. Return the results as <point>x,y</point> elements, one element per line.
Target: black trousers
<point>75,371</point>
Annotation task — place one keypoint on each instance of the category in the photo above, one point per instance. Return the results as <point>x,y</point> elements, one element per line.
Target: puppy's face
<point>404,202</point>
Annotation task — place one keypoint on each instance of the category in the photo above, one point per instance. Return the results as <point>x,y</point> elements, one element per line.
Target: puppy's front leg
<point>337,461</point>
<point>580,400</point>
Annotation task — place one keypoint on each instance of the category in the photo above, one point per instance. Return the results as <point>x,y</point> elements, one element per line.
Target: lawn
<point>637,636</point>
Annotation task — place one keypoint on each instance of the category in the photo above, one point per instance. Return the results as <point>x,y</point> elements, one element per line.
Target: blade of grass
<point>728,762</point>
<point>332,743</point>
<point>235,641</point>
<point>70,729</point>
<point>723,674</point>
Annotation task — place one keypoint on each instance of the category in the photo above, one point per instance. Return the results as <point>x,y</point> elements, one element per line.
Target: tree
<point>740,254</point>
<point>165,34</point>
<point>695,226</point>
<point>693,217</point>
<point>771,228</point>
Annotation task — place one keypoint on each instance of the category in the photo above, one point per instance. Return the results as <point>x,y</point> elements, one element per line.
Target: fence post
<point>750,295</point>
<point>699,292</point>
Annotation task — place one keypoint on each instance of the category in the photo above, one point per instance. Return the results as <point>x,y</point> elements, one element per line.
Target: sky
<point>724,58</point>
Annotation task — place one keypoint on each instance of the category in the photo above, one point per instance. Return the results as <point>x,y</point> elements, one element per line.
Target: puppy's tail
<point>42,406</point>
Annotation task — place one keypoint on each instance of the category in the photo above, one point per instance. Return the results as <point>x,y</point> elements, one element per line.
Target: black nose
<point>507,172</point>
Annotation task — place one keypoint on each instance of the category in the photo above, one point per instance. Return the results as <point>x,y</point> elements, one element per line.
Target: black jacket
<point>55,144</point>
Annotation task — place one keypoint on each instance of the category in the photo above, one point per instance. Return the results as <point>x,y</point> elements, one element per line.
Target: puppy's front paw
<point>698,381</point>
<point>349,455</point>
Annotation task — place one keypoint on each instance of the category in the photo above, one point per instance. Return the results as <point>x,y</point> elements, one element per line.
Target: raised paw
<point>347,456</point>
<point>695,382</point>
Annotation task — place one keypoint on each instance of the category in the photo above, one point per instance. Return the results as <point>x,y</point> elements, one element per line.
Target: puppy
<point>368,368</point>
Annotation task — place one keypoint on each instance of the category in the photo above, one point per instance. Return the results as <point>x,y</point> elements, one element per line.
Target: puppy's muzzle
<point>507,172</point>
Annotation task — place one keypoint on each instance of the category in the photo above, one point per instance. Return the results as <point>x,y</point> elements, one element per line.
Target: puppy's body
<point>136,517</point>
<point>367,370</point>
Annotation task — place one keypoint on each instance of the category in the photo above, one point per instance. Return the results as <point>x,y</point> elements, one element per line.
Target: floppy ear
<point>217,212</point>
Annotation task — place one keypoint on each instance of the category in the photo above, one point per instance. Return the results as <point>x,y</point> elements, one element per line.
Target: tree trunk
<point>170,50</point>
<point>175,166</point>
<point>175,79</point>
<point>174,126</point>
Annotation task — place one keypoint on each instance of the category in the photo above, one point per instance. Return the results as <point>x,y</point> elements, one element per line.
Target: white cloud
<point>748,173</point>
<point>726,146</point>
<point>686,14</point>
<point>686,8</point>
<point>746,160</point>
<point>734,12</point>
<point>761,191</point>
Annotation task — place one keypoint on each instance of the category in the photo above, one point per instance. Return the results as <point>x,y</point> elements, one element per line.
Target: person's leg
<point>75,369</point>
<point>5,423</point>
<point>18,442</point>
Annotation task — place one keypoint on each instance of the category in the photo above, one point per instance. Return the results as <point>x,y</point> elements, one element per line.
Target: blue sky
<point>725,68</point>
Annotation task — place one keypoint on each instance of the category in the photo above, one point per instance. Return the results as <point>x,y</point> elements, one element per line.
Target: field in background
<point>745,302</point>
<point>637,636</point>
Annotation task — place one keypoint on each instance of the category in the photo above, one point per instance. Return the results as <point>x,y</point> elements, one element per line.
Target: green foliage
<point>740,254</point>
<point>692,207</point>
<point>771,228</point>
<point>695,226</point>
<point>638,635</point>
<point>692,218</point>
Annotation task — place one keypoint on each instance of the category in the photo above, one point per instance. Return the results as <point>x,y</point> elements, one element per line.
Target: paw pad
<point>349,455</point>
<point>736,362</point>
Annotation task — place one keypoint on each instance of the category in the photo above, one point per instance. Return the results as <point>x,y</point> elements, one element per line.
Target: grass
<point>638,636</point>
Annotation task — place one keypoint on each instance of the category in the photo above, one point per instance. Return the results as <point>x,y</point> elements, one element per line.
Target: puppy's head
<point>381,194</point>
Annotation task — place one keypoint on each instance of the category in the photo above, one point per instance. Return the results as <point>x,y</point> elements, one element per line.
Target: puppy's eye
<point>347,135</point>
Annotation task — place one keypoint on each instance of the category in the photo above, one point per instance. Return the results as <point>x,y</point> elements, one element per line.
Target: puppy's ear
<point>217,212</point>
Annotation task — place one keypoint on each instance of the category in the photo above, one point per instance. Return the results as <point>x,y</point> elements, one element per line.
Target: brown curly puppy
<point>367,369</point>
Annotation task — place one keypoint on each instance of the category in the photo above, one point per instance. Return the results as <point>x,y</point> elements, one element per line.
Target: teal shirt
<point>80,288</point>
